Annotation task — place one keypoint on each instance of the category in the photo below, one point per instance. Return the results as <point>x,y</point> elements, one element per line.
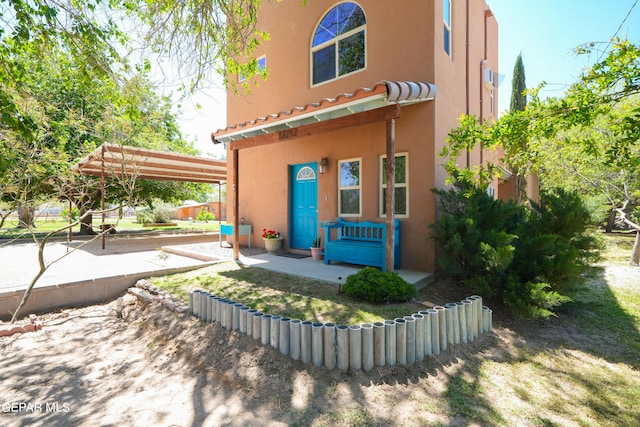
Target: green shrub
<point>476,235</point>
<point>524,256</point>
<point>205,215</point>
<point>163,213</point>
<point>145,216</point>
<point>373,285</point>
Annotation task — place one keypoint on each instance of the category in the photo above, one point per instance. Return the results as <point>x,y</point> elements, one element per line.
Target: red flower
<point>270,234</point>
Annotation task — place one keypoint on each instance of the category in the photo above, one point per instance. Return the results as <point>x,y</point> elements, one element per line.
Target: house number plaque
<point>287,133</point>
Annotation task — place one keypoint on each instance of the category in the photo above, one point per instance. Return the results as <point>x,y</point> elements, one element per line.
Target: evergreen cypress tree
<point>518,86</point>
<point>519,103</point>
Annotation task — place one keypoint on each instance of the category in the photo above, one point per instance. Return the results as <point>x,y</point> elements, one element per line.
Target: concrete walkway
<point>305,267</point>
<point>82,272</point>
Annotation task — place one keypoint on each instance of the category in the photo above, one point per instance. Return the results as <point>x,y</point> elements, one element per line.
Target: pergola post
<point>102,189</point>
<point>390,194</point>
<point>70,217</point>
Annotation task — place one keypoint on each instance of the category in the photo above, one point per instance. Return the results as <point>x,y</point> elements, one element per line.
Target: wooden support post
<point>70,217</point>
<point>390,195</point>
<point>236,210</point>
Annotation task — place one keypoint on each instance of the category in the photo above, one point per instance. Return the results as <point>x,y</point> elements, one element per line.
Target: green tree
<point>590,136</point>
<point>71,116</point>
<point>519,103</point>
<point>518,86</point>
<point>95,41</point>
<point>69,81</point>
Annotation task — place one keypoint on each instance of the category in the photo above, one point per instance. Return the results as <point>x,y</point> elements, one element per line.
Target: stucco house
<point>351,85</point>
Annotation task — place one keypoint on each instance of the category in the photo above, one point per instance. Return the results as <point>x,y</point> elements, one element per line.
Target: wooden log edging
<point>357,347</point>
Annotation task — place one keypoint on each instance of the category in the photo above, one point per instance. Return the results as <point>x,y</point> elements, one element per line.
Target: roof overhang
<point>141,163</point>
<point>364,99</point>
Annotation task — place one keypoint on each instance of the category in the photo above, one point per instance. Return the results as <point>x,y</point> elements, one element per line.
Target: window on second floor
<point>338,45</point>
<point>261,63</point>
<point>446,6</point>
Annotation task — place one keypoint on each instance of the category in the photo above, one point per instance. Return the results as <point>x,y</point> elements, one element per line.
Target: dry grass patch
<point>577,369</point>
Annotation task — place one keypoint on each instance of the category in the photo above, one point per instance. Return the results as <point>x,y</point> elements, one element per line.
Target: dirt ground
<point>153,367</point>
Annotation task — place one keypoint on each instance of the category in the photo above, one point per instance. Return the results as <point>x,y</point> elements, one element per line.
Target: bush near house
<point>373,285</point>
<point>526,256</point>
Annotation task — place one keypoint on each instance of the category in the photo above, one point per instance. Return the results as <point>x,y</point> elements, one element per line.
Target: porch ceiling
<point>115,160</point>
<point>363,99</point>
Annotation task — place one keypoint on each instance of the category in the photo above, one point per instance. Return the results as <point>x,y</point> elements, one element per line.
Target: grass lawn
<point>282,294</point>
<point>580,368</point>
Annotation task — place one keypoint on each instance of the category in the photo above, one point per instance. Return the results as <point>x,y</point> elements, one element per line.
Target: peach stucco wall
<point>403,42</point>
<point>264,191</point>
<point>396,50</point>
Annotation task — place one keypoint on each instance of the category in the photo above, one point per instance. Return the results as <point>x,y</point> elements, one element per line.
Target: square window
<point>351,52</point>
<point>349,202</point>
<point>324,64</point>
<point>261,64</point>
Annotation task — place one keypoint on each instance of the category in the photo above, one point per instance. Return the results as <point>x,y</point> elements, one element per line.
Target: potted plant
<point>317,249</point>
<point>272,240</point>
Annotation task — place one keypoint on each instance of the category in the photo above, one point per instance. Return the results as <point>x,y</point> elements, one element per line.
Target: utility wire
<point>618,30</point>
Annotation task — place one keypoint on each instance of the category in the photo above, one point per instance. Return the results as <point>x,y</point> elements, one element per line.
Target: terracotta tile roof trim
<point>395,91</point>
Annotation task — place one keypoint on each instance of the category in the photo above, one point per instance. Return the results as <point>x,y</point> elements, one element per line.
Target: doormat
<point>292,255</point>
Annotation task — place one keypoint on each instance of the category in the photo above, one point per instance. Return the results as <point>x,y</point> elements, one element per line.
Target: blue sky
<point>547,31</point>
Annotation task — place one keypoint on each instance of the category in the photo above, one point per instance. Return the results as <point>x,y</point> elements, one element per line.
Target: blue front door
<point>304,205</point>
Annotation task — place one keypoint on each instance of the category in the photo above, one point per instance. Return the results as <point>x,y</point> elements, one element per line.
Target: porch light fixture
<point>322,165</point>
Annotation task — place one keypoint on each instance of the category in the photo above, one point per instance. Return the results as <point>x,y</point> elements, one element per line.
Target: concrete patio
<point>304,265</point>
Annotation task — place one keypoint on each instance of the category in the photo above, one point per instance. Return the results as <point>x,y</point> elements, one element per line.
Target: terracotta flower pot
<point>317,253</point>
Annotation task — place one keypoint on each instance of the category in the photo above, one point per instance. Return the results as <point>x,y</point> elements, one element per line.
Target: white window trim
<point>351,187</point>
<point>335,40</point>
<point>383,158</point>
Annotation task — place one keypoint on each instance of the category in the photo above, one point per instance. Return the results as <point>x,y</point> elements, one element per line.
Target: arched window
<point>306,173</point>
<point>338,46</point>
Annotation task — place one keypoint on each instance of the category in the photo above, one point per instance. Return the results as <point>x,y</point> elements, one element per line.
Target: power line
<point>618,30</point>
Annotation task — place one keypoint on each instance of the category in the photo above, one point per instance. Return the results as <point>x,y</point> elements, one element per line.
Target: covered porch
<point>267,156</point>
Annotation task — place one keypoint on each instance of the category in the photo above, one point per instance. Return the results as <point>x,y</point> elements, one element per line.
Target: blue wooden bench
<point>362,243</point>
